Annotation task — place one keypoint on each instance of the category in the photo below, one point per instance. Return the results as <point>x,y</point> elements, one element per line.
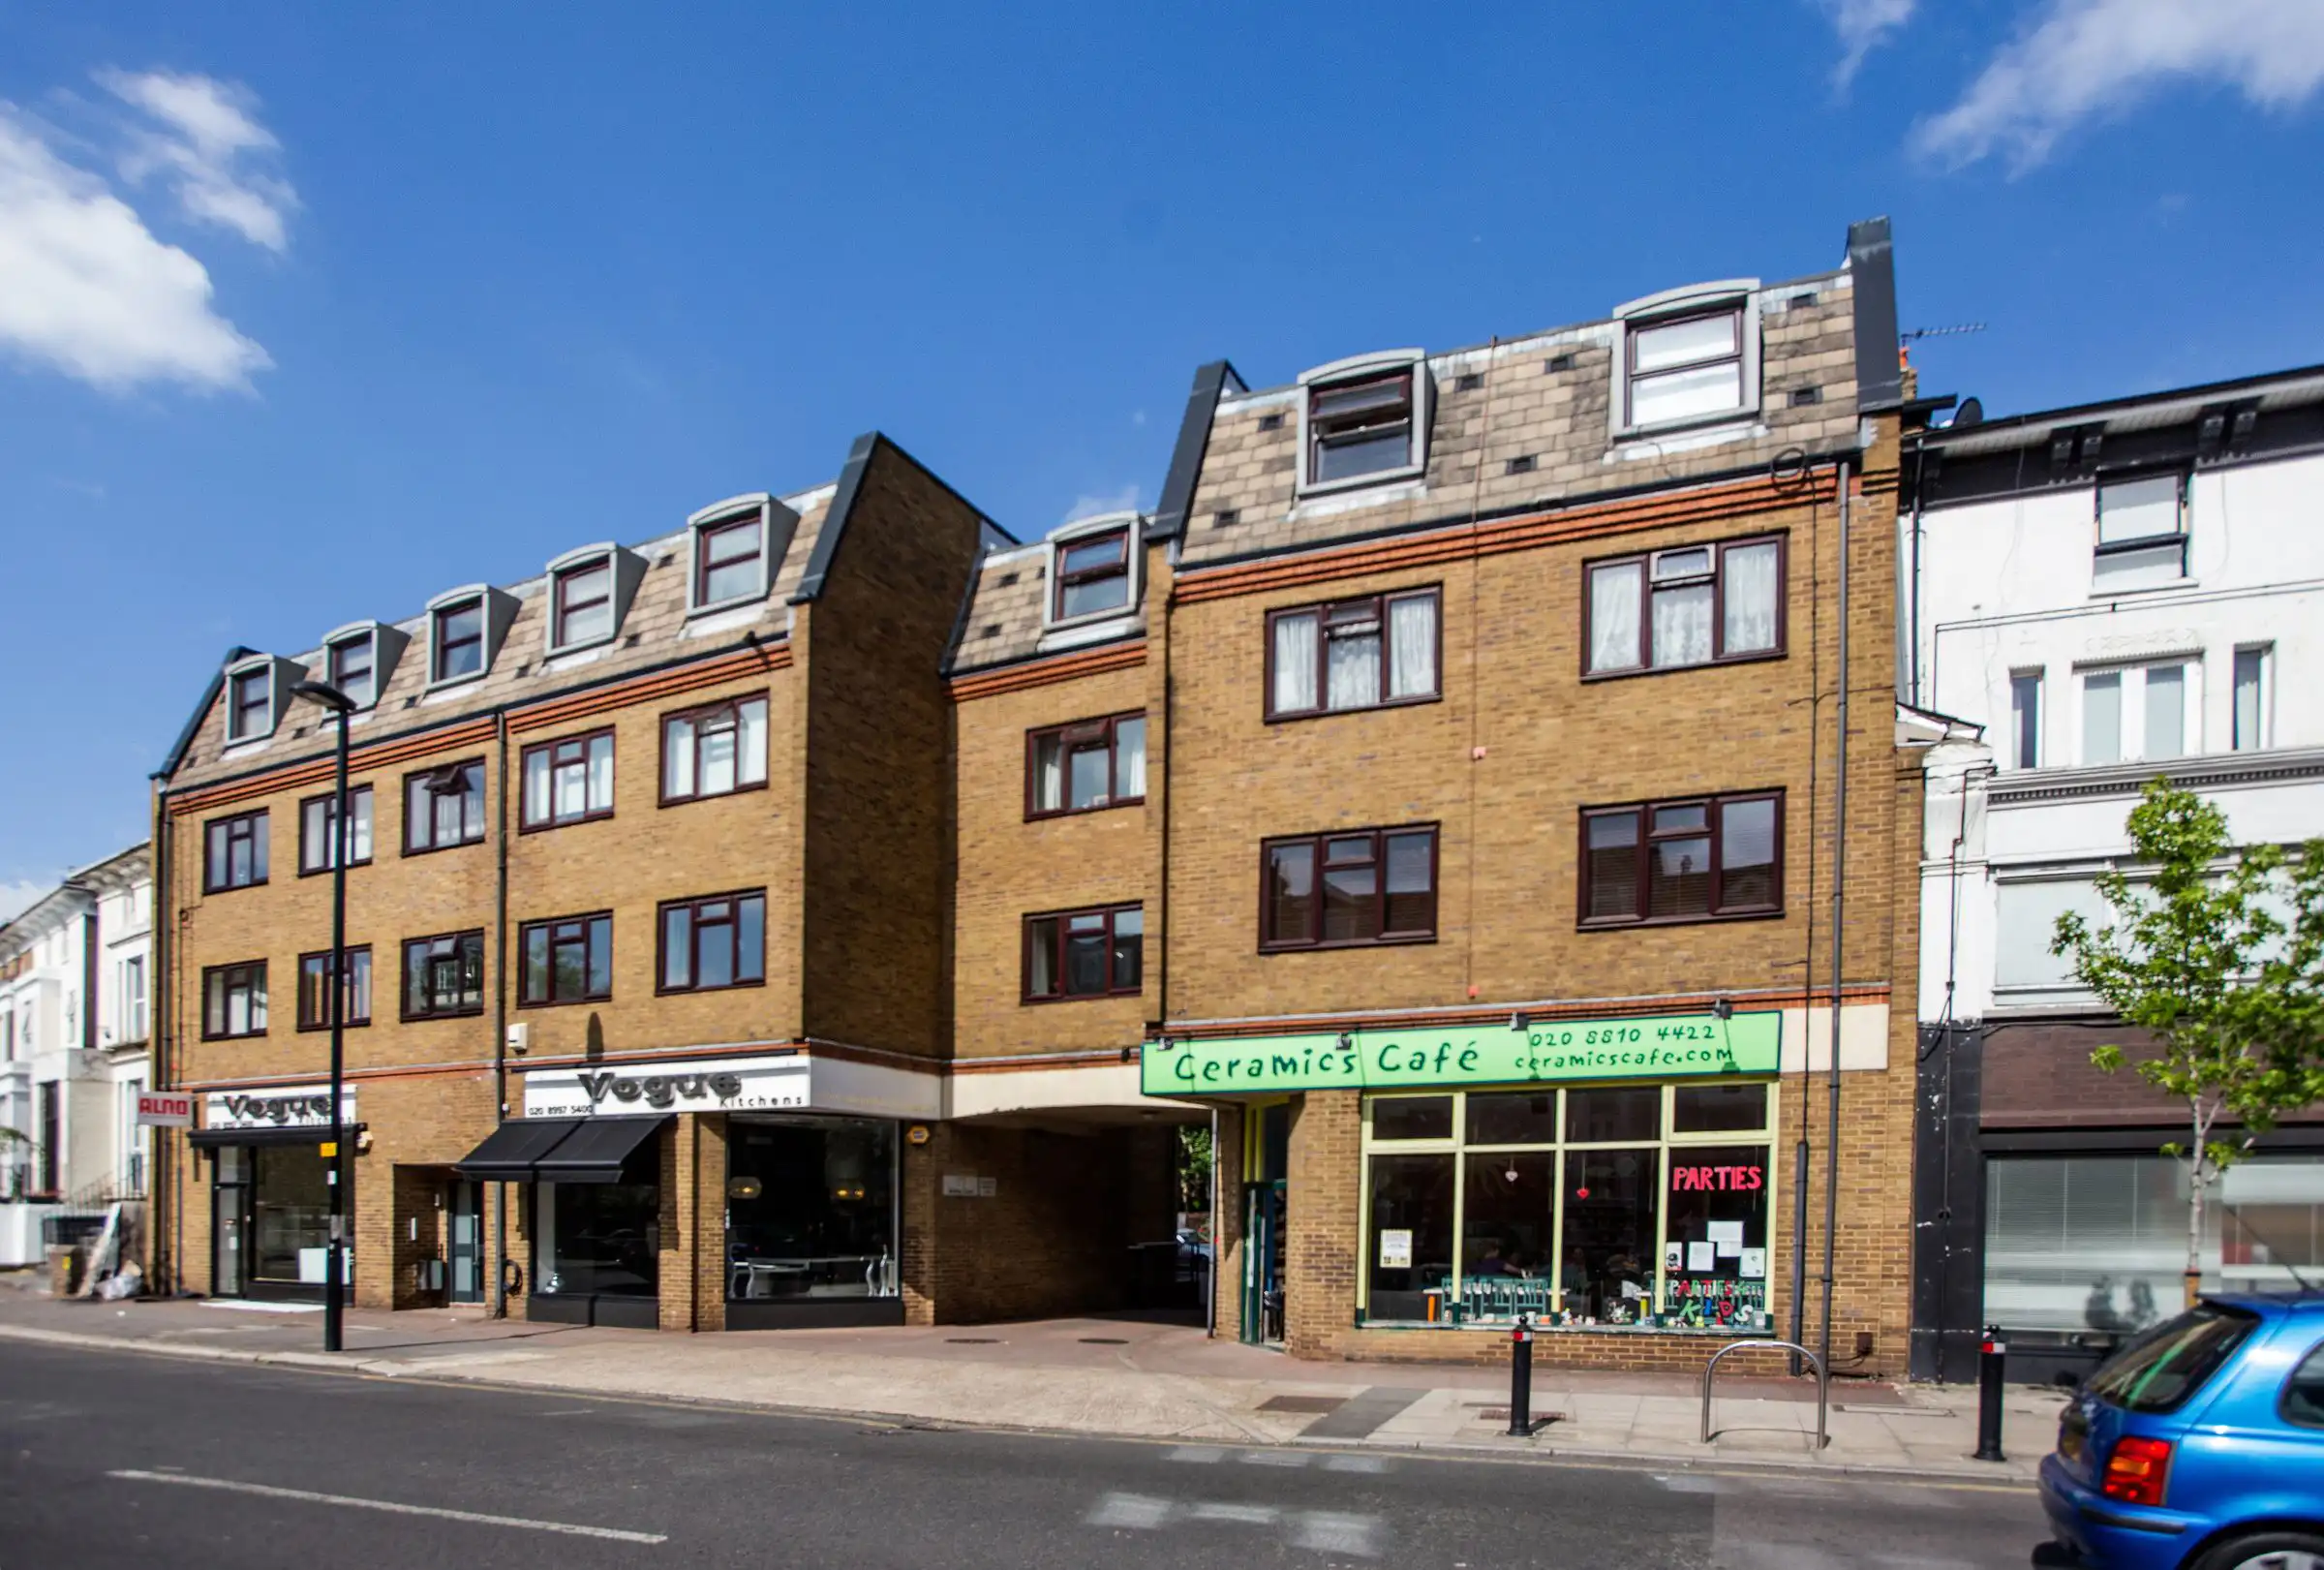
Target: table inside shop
<point>758,1277</point>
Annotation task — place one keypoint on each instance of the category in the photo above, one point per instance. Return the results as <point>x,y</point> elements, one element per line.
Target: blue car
<point>2198,1446</point>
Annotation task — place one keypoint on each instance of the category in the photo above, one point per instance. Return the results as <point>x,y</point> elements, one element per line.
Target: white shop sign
<point>164,1109</point>
<point>281,1106</point>
<point>709,1085</point>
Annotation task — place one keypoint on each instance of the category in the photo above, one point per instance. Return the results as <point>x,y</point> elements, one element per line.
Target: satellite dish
<point>1970,412</point>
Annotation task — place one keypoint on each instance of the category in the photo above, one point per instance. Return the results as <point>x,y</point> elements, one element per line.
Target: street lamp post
<point>334,1264</point>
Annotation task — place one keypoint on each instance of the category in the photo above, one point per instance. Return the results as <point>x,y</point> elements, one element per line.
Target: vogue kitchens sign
<point>1663,1046</point>
<point>720,1084</point>
<point>298,1107</point>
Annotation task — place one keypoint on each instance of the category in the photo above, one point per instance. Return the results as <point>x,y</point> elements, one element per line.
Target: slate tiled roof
<point>656,631</point>
<point>1005,621</point>
<point>1544,399</point>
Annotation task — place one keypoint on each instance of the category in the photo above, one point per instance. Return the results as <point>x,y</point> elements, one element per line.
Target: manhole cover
<point>973,1340</point>
<point>1104,1341</point>
<point>1302,1403</point>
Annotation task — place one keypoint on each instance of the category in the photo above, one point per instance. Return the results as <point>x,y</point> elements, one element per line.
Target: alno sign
<point>1662,1046</point>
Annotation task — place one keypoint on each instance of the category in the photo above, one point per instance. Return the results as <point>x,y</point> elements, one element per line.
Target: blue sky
<point>308,313</point>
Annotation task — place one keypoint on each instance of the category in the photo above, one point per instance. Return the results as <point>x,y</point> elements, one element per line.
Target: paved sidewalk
<point>1117,1376</point>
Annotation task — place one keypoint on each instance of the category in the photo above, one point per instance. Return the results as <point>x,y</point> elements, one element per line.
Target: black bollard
<point>1520,1379</point>
<point>1989,1358</point>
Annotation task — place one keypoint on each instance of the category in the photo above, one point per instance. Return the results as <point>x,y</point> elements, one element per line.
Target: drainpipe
<point>1831,1148</point>
<point>163,998</point>
<point>500,1020</point>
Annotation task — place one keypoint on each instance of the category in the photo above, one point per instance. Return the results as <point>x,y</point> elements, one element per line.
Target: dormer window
<point>250,703</point>
<point>457,641</point>
<point>1364,421</point>
<point>730,560</point>
<point>1093,575</point>
<point>1688,356</point>
<point>583,605</point>
<point>353,666</point>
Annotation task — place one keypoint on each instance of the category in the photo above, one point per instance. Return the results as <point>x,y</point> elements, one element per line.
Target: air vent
<point>1800,302</point>
<point>524,668</point>
<point>1556,363</point>
<point>1470,382</point>
<point>990,629</point>
<point>1005,580</point>
<point>1519,466</point>
<point>629,642</point>
<point>1271,422</point>
<point>1803,396</point>
<point>1226,517</point>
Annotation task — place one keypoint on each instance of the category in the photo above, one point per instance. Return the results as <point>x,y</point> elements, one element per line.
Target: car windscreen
<point>2161,1368</point>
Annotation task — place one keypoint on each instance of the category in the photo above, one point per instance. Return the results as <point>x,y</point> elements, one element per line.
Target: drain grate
<point>972,1341</point>
<point>1302,1403</point>
<point>1105,1341</point>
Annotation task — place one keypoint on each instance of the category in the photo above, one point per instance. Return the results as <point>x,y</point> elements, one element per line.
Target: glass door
<point>230,1220</point>
<point>1263,1262</point>
<point>467,1250</point>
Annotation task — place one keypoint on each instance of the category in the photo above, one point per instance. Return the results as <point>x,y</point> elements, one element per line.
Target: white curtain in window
<point>1751,591</point>
<point>1682,626</point>
<point>1614,616</point>
<point>536,788</point>
<point>1294,662</point>
<point>718,761</point>
<point>751,768</point>
<point>1129,759</point>
<point>1049,774</point>
<point>678,759</point>
<point>1351,678</point>
<point>1412,647</point>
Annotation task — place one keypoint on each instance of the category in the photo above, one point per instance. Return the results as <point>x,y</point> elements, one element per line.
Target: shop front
<point>271,1190</point>
<point>1613,1175</point>
<point>638,1173</point>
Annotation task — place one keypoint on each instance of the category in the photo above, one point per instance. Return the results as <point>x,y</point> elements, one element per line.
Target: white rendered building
<point>2094,597</point>
<point>76,1020</point>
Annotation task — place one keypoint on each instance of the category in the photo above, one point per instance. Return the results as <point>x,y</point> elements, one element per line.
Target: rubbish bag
<point>124,1282</point>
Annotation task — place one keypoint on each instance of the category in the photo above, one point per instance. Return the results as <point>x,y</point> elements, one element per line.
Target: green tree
<point>2220,957</point>
<point>1194,1167</point>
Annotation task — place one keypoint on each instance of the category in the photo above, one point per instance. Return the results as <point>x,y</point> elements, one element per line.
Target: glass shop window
<point>1715,1235</point>
<point>810,1209</point>
<point>1411,1244</point>
<point>602,1238</point>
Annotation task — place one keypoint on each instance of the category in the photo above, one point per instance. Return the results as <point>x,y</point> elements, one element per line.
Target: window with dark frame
<point>1093,575</point>
<point>443,808</point>
<point>1698,859</point>
<point>568,960</point>
<point>318,844</point>
<point>717,940</point>
<point>315,989</point>
<point>457,640</point>
<point>727,559</point>
<point>1086,766</point>
<point>1684,367</point>
<point>234,1000</point>
<point>1353,654</point>
<point>444,975</point>
<point>233,852</point>
<point>713,750</point>
<point>1094,953</point>
<point>1360,886</point>
<point>1689,605</point>
<point>1360,427</point>
<point>569,781</point>
<point>354,662</point>
<point>250,706</point>
<point>2142,532</point>
<point>2025,717</point>
<point>584,601</point>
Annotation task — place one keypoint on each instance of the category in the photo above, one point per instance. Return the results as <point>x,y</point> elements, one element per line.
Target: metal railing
<point>1823,1384</point>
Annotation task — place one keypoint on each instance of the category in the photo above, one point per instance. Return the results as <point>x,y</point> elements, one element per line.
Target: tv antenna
<point>1956,330</point>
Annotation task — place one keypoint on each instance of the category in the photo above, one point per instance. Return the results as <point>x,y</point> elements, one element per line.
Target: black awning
<point>209,1139</point>
<point>508,1152</point>
<point>595,1151</point>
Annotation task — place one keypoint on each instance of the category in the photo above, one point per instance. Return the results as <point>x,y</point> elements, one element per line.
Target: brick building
<point>647,926</point>
<point>1492,706</point>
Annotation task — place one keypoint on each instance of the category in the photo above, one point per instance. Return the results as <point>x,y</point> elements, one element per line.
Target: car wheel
<point>2267,1550</point>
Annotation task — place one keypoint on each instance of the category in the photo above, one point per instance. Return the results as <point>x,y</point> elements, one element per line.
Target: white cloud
<point>85,287</point>
<point>2086,59</point>
<point>1863,25</point>
<point>216,159</point>
<point>1092,506</point>
<point>16,898</point>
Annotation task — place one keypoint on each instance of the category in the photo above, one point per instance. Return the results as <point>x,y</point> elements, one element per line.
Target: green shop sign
<point>1661,1046</point>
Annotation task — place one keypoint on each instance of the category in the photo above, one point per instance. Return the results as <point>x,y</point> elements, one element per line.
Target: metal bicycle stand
<point>1824,1383</point>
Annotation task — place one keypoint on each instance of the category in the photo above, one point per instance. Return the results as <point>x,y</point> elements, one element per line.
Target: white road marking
<point>1135,1510</point>
<point>1355,1463</point>
<point>567,1411</point>
<point>1201,1454</point>
<point>1277,1458</point>
<point>1329,1532</point>
<point>1254,1515</point>
<point>303,1496</point>
<point>1682,1482</point>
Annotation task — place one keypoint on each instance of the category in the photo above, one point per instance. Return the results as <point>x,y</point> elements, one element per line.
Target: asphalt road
<point>119,1460</point>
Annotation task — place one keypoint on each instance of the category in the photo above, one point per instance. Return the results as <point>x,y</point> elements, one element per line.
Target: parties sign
<point>1662,1046</point>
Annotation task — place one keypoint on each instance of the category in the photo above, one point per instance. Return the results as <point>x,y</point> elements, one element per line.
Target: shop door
<point>1263,1221</point>
<point>467,1244</point>
<point>230,1223</point>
